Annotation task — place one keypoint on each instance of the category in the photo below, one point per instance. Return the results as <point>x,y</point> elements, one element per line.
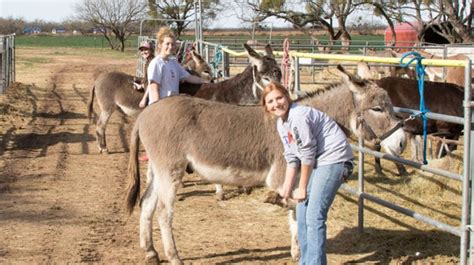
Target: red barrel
<point>407,34</point>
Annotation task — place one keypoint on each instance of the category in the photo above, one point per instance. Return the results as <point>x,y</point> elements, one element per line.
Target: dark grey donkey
<point>114,89</point>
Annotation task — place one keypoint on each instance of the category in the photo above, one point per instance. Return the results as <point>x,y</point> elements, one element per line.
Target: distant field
<point>67,41</point>
<point>131,43</point>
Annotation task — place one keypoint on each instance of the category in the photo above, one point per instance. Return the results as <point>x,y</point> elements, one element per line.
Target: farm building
<point>31,30</point>
<point>98,31</point>
<point>406,34</point>
<point>58,31</point>
<point>410,33</point>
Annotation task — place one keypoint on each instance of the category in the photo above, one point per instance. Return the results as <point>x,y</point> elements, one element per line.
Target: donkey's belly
<point>128,110</point>
<point>228,175</point>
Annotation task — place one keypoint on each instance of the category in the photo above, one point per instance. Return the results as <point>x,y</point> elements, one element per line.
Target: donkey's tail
<point>90,103</point>
<point>133,192</point>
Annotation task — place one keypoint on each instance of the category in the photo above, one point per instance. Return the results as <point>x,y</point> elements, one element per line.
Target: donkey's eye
<point>376,108</point>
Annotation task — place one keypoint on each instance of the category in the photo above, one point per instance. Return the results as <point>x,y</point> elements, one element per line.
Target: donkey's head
<point>198,66</point>
<point>265,67</point>
<point>373,116</point>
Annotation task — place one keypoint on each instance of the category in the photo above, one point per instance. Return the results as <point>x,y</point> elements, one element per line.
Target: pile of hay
<point>16,106</point>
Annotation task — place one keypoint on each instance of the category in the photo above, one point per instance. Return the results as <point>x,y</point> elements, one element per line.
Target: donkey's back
<point>116,88</point>
<point>209,136</point>
<point>444,98</point>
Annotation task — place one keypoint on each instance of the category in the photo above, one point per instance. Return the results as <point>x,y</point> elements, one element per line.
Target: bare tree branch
<point>114,18</point>
<point>182,10</point>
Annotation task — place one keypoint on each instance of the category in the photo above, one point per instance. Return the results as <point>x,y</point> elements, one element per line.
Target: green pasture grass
<point>84,51</point>
<point>68,41</point>
<point>49,53</point>
<point>87,41</point>
<point>29,62</point>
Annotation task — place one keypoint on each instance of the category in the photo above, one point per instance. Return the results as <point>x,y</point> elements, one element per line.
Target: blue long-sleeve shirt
<point>310,137</point>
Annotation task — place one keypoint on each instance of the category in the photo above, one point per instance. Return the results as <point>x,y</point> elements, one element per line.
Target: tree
<point>313,15</point>
<point>182,11</point>
<point>113,18</point>
<point>449,19</point>
<point>11,25</point>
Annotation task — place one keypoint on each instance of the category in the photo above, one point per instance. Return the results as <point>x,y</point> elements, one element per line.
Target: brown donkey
<point>114,89</point>
<point>232,145</point>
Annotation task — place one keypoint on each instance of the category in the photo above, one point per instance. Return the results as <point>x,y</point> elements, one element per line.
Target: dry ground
<point>62,202</point>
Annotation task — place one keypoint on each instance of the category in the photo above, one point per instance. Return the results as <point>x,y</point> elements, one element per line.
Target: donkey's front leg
<point>149,201</point>
<point>295,248</point>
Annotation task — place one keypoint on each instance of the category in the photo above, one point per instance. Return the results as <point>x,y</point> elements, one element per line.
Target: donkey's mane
<point>241,75</point>
<point>311,94</point>
<point>237,79</point>
<point>307,95</point>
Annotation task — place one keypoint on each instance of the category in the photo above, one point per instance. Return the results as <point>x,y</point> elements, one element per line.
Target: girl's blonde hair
<point>163,33</point>
<point>269,88</point>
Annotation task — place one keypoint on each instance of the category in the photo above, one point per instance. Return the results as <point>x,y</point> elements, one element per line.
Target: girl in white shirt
<point>164,71</point>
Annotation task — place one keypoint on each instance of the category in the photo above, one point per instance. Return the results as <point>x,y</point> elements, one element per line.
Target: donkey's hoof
<point>152,259</point>
<point>177,261</point>
<point>295,253</point>
<point>220,196</point>
<point>103,150</point>
<point>378,172</point>
<point>247,190</point>
<point>402,171</point>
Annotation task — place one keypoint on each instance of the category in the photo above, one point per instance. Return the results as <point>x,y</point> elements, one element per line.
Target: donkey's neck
<point>240,88</point>
<point>244,79</point>
<point>336,101</point>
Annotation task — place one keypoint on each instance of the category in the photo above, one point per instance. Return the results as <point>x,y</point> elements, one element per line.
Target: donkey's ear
<point>251,52</point>
<point>254,58</point>
<point>353,82</point>
<point>196,57</point>
<point>364,71</point>
<point>269,51</point>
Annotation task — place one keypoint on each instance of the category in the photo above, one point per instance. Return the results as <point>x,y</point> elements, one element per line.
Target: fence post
<point>467,221</point>
<point>226,65</point>
<point>360,186</point>
<point>296,61</point>
<point>7,61</point>
<point>13,62</point>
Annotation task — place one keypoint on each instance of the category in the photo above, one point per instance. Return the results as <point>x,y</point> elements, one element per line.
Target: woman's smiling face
<point>167,47</point>
<point>276,103</point>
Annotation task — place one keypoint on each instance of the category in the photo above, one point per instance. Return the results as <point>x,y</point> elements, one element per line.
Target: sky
<point>30,10</point>
<point>61,10</point>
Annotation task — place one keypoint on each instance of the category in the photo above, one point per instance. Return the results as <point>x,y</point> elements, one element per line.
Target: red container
<point>407,35</point>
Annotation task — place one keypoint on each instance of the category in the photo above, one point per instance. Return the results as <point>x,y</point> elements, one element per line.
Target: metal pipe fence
<point>7,61</point>
<point>464,231</point>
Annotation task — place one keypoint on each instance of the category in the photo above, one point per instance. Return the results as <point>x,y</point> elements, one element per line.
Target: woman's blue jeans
<point>311,214</point>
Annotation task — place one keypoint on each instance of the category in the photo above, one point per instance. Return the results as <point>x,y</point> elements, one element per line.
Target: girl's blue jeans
<point>311,214</point>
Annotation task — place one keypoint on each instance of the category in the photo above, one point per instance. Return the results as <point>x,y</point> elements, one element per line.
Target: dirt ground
<point>63,202</point>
